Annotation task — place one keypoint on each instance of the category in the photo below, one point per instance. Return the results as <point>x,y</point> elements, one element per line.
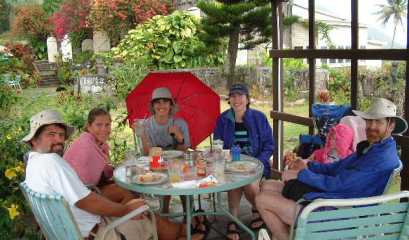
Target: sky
<point>367,8</point>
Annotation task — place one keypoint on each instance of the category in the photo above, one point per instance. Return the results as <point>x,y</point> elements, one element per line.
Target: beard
<point>58,149</point>
<point>373,136</point>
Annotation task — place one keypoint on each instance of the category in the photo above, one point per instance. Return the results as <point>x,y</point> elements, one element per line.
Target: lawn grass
<point>291,130</point>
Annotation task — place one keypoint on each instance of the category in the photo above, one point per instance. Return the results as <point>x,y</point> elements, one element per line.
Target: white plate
<point>172,154</point>
<point>241,166</point>
<point>158,178</point>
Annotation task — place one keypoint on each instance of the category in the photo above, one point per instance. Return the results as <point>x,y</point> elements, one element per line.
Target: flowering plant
<point>14,211</point>
<point>32,23</point>
<point>118,16</point>
<point>71,18</point>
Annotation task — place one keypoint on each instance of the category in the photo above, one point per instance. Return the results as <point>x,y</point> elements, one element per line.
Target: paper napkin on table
<point>185,184</point>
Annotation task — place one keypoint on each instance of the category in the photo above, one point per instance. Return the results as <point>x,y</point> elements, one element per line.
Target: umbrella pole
<point>138,145</point>
<point>211,143</point>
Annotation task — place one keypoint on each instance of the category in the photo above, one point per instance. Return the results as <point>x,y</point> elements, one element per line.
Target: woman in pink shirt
<point>88,155</point>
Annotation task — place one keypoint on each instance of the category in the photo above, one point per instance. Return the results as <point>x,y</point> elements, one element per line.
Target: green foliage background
<point>168,42</point>
<point>4,16</point>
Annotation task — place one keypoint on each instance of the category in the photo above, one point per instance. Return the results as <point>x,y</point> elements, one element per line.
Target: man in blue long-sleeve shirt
<point>361,174</point>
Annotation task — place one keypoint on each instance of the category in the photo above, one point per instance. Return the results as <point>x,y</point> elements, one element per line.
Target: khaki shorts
<point>132,230</point>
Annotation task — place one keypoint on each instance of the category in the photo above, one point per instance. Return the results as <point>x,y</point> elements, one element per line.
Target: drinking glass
<point>219,164</point>
<point>175,170</point>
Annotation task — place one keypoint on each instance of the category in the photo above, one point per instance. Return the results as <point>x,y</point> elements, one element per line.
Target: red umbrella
<point>198,104</point>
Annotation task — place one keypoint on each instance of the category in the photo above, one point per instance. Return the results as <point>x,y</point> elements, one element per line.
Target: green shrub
<point>293,71</point>
<point>8,98</point>
<point>124,76</point>
<point>31,22</point>
<point>65,74</point>
<point>340,85</point>
<point>16,221</point>
<point>168,42</point>
<point>4,16</point>
<point>84,57</point>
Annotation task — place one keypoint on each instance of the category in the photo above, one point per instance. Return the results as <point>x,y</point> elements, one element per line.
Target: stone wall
<point>259,78</point>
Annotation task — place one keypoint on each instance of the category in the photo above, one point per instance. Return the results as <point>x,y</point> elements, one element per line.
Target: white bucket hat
<point>164,92</point>
<point>383,108</point>
<point>46,117</point>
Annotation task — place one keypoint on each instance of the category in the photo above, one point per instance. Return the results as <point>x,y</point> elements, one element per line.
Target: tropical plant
<point>293,73</point>
<point>245,22</point>
<point>118,17</point>
<point>395,10</point>
<point>127,75</point>
<point>51,6</point>
<point>14,212</point>
<point>22,52</point>
<point>32,22</point>
<point>64,72</point>
<point>20,63</point>
<point>168,42</point>
<point>4,16</point>
<point>339,84</point>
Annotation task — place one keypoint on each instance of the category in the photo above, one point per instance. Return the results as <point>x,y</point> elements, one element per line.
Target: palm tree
<point>395,10</point>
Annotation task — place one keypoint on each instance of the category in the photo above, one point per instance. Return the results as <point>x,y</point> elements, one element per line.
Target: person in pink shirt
<point>88,155</point>
<point>339,145</point>
<point>358,125</point>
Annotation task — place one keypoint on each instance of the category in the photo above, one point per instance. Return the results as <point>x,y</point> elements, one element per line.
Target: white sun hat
<point>46,117</point>
<point>383,108</point>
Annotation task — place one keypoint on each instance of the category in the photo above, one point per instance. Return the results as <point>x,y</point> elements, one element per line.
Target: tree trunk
<point>393,37</point>
<point>394,65</point>
<point>232,54</point>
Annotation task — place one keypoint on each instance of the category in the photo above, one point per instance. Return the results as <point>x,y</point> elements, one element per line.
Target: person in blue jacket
<point>249,129</point>
<point>362,174</point>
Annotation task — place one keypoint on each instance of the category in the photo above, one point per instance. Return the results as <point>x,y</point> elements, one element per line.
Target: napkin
<point>185,184</point>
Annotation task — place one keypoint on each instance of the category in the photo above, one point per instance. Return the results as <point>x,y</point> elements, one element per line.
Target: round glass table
<point>229,181</point>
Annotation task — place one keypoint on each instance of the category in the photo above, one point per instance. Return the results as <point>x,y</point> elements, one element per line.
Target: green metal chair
<point>395,174</point>
<point>56,221</point>
<point>14,82</point>
<point>366,218</point>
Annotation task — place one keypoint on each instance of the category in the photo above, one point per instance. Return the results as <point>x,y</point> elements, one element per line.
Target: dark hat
<point>239,88</point>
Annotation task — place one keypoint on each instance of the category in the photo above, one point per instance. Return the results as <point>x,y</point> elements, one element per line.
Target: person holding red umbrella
<point>162,129</point>
<point>250,130</point>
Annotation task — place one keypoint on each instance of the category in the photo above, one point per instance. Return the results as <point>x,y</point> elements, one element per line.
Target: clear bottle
<point>200,165</point>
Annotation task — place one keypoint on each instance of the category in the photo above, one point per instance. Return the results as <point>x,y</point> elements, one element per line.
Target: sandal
<point>258,221</point>
<point>231,231</point>
<point>201,229</point>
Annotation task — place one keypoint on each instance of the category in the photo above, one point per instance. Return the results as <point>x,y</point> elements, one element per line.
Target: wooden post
<point>277,87</point>
<point>311,61</point>
<point>405,148</point>
<point>354,45</point>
